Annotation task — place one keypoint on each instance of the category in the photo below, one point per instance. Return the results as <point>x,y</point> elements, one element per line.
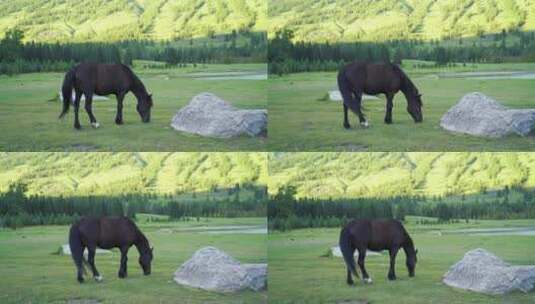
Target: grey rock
<point>335,252</point>
<point>66,250</point>
<point>212,269</point>
<point>482,271</point>
<point>208,115</point>
<point>337,96</point>
<point>95,97</point>
<point>480,115</point>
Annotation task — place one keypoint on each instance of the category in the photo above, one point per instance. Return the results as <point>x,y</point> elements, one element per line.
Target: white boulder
<point>480,115</point>
<point>212,269</point>
<point>208,115</point>
<point>481,271</point>
<point>336,252</point>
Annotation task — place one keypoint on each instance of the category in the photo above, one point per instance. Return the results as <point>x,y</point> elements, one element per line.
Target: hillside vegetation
<point>339,175</point>
<point>66,174</point>
<point>350,20</point>
<point>113,20</point>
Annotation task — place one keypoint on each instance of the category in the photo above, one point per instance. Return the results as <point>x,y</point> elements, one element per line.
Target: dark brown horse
<point>106,233</point>
<point>103,79</point>
<point>375,235</point>
<point>375,78</point>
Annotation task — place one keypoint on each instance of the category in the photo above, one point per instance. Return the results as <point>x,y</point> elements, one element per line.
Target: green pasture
<point>303,119</point>
<point>29,110</point>
<point>299,272</point>
<point>32,272</point>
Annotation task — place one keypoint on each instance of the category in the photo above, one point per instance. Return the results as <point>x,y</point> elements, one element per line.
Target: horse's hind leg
<point>346,121</point>
<point>89,109</point>
<point>389,106</point>
<point>392,271</point>
<point>349,277</point>
<point>91,250</point>
<point>362,255</point>
<point>76,109</point>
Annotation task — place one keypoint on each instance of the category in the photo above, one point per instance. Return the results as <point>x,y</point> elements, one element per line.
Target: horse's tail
<point>66,91</point>
<point>77,249</point>
<point>344,86</point>
<point>348,251</point>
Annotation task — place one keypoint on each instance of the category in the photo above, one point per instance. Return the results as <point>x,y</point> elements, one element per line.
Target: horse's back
<point>373,78</point>
<point>379,234</point>
<point>103,78</point>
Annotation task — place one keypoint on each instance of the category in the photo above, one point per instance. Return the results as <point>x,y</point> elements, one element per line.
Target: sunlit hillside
<point>55,174</point>
<point>112,20</point>
<point>349,20</point>
<point>337,175</point>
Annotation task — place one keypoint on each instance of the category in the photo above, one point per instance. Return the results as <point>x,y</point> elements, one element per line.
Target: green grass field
<point>33,273</point>
<point>302,120</point>
<point>299,274</point>
<point>29,122</point>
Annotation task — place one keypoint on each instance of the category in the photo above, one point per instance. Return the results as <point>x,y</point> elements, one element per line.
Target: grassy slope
<point>349,20</point>
<point>119,173</point>
<point>384,174</point>
<point>30,122</point>
<point>298,121</point>
<point>32,273</point>
<point>298,273</point>
<point>59,20</point>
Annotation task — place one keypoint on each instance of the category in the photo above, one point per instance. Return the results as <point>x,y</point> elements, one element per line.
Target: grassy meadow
<point>32,271</point>
<point>29,108</point>
<point>303,119</point>
<point>299,272</point>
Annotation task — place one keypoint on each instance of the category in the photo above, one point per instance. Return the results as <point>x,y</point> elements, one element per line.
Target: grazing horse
<point>106,233</point>
<point>103,79</point>
<point>375,235</point>
<point>375,78</point>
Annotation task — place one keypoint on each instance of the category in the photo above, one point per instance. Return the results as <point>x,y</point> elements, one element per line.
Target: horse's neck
<point>141,243</point>
<point>408,246</point>
<point>408,89</point>
<point>138,88</point>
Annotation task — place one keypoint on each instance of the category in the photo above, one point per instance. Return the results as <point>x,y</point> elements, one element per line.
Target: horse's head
<point>145,260</point>
<point>411,262</point>
<point>414,107</point>
<point>143,107</point>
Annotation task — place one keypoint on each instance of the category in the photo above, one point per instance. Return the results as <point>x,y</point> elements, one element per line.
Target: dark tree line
<point>17,209</point>
<point>285,212</point>
<point>285,56</point>
<point>19,57</point>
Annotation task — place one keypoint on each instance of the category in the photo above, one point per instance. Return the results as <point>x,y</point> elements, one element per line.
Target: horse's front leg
<point>119,115</point>
<point>362,255</point>
<point>124,258</point>
<point>91,250</point>
<point>389,106</point>
<point>392,271</point>
<point>89,110</point>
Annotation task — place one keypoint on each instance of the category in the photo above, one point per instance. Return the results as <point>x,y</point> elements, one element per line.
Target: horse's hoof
<point>388,121</point>
<point>77,127</point>
<point>95,125</point>
<point>368,280</point>
<point>99,278</point>
<point>391,278</point>
<point>365,124</point>
<point>119,121</point>
<point>80,280</point>
<point>347,126</point>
